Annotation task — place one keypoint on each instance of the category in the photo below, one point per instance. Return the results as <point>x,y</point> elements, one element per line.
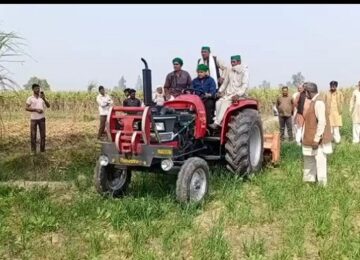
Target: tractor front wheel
<point>245,143</point>
<point>110,180</point>
<point>193,181</point>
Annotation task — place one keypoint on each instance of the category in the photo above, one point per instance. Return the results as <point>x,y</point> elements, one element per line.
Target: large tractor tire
<point>110,180</point>
<point>193,181</point>
<point>245,143</point>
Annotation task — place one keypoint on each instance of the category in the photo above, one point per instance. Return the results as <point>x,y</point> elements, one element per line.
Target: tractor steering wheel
<point>193,91</point>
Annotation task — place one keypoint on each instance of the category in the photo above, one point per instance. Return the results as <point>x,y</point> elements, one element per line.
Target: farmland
<point>273,216</point>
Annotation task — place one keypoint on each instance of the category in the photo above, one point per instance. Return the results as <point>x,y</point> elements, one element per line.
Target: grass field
<point>273,216</point>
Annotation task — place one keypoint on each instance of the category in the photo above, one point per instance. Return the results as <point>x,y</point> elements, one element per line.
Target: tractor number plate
<point>167,152</point>
<point>131,161</point>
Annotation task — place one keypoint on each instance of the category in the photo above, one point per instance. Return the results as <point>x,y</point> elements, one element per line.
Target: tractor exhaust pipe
<point>147,87</point>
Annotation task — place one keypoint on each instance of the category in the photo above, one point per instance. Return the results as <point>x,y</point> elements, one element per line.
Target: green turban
<point>202,67</point>
<point>236,57</point>
<point>178,60</point>
<point>205,48</point>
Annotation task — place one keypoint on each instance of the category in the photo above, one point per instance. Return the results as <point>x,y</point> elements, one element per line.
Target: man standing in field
<point>234,87</point>
<point>104,101</point>
<point>300,104</point>
<point>178,80</point>
<point>317,138</point>
<point>284,105</point>
<point>355,113</point>
<point>214,64</point>
<point>36,105</point>
<point>334,101</point>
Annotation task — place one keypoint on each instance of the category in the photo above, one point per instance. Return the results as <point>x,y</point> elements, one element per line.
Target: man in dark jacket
<point>284,105</point>
<point>132,101</point>
<point>205,87</point>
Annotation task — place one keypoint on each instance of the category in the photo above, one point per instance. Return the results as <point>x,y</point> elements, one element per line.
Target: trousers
<point>335,130</point>
<point>221,105</point>
<point>285,121</point>
<point>315,167</point>
<point>34,124</point>
<point>210,107</point>
<point>356,133</point>
<point>102,126</point>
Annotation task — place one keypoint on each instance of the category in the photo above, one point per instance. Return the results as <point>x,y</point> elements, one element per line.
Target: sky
<point>72,45</point>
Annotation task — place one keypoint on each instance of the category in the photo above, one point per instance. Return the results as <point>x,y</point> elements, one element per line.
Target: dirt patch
<point>52,185</point>
<point>270,234</point>
<point>310,244</point>
<point>210,217</point>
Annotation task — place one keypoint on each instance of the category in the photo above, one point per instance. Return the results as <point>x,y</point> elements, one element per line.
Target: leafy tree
<point>139,83</point>
<point>265,84</point>
<point>121,84</point>
<point>35,80</point>
<point>297,79</point>
<point>92,86</point>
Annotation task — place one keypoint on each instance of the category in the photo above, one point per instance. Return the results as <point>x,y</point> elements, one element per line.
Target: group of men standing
<point>317,123</point>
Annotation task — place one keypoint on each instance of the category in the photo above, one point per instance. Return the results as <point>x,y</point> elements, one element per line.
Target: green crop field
<point>273,216</point>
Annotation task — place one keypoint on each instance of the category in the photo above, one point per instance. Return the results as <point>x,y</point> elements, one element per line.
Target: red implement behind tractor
<point>176,140</point>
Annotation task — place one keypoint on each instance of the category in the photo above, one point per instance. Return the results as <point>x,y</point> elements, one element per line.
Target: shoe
<point>214,126</point>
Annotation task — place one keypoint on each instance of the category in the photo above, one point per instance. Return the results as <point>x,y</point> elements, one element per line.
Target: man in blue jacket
<point>205,87</point>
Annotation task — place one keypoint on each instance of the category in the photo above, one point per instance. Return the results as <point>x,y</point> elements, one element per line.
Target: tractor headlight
<point>160,126</point>
<point>104,160</point>
<point>167,164</point>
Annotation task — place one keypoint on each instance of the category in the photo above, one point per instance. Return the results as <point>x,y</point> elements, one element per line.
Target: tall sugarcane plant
<point>10,51</point>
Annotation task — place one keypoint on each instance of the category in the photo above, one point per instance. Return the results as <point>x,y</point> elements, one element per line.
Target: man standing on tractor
<point>234,87</point>
<point>104,101</point>
<point>178,80</point>
<point>334,101</point>
<point>284,105</point>
<point>214,64</point>
<point>36,105</point>
<point>317,137</point>
<point>205,87</point>
<point>132,101</point>
<point>355,113</point>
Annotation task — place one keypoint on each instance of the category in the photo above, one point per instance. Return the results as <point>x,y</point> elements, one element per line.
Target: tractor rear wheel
<point>245,143</point>
<point>110,180</point>
<point>193,180</point>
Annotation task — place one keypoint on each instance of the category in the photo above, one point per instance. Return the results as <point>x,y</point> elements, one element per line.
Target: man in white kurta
<point>315,156</point>
<point>355,113</point>
<point>104,101</point>
<point>234,87</point>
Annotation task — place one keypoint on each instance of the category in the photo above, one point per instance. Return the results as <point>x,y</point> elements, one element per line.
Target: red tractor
<point>176,140</point>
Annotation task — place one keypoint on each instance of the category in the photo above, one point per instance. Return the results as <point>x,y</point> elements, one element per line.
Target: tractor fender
<point>231,110</point>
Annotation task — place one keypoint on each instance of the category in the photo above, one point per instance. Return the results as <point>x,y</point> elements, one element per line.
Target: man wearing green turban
<point>178,80</point>
<point>234,87</point>
<point>217,68</point>
<point>205,87</point>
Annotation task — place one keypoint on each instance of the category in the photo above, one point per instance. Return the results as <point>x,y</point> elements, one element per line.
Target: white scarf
<point>212,68</point>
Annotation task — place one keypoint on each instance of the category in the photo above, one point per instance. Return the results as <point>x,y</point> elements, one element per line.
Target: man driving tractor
<point>205,87</point>
<point>234,87</point>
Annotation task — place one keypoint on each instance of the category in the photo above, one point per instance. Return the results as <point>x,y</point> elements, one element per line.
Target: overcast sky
<point>75,44</point>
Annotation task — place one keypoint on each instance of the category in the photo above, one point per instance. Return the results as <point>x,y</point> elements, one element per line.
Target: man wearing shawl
<point>234,87</point>
<point>217,69</point>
